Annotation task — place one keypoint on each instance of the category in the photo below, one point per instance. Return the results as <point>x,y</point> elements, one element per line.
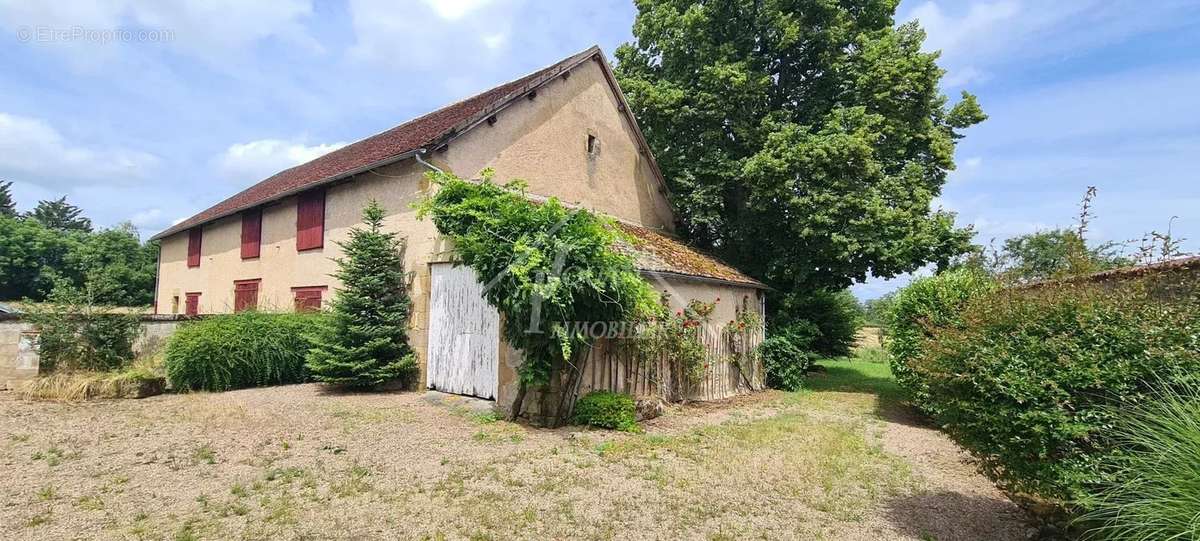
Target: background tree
<point>1053,254</point>
<point>113,263</point>
<point>803,140</point>
<point>119,266</point>
<point>366,343</point>
<point>8,207</point>
<point>61,215</point>
<point>878,311</point>
<point>33,258</point>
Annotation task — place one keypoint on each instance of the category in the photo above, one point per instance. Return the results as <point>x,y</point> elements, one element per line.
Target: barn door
<point>464,334</point>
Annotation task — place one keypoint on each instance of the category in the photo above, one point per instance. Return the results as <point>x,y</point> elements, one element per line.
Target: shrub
<point>249,349</point>
<point>925,305</point>
<point>607,409</point>
<point>1154,492</point>
<point>835,315</point>
<point>366,341</point>
<point>77,334</point>
<point>1029,381</point>
<point>785,363</point>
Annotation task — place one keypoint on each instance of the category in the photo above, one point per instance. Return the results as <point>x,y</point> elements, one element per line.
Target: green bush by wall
<point>250,349</point>
<point>1032,381</point>
<point>607,409</point>
<point>785,362</point>
<point>927,304</point>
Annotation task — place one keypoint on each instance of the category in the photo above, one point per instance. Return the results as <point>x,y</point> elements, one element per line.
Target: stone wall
<point>19,358</point>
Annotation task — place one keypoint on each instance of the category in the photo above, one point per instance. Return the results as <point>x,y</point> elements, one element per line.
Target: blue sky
<point>201,99</point>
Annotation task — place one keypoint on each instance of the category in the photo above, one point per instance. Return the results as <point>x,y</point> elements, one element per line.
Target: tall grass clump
<point>250,349</point>
<point>1155,488</point>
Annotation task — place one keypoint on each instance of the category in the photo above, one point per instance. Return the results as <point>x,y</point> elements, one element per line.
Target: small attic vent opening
<point>593,146</point>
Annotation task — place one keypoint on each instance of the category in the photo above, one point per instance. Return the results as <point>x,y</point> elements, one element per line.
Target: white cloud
<point>208,29</point>
<point>246,163</point>
<point>967,169</point>
<point>495,41</point>
<point>455,9</point>
<point>146,217</point>
<point>980,37</point>
<point>33,150</point>
<point>949,33</point>
<point>431,35</point>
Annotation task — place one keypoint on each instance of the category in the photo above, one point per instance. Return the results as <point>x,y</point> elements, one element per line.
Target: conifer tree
<point>8,207</point>
<point>60,215</point>
<point>366,342</point>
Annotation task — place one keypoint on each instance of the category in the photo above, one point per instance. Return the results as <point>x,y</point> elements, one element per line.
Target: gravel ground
<point>297,462</point>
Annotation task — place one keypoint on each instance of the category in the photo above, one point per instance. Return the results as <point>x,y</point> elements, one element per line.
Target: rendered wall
<point>606,367</point>
<point>543,141</point>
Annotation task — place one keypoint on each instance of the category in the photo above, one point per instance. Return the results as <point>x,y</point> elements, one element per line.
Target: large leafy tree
<point>60,215</point>
<point>33,258</point>
<point>116,267</point>
<point>803,140</point>
<point>8,206</point>
<point>366,344</point>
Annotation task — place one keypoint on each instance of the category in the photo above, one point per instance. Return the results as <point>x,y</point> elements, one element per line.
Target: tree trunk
<point>518,402</point>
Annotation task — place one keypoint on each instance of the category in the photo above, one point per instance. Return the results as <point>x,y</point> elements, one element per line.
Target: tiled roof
<point>658,253</point>
<point>653,251</point>
<point>1183,264</point>
<point>421,132</point>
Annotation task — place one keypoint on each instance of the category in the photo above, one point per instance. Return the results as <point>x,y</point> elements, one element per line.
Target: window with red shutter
<point>195,238</point>
<point>245,295</point>
<point>310,220</point>
<point>191,304</point>
<point>251,233</point>
<point>308,299</point>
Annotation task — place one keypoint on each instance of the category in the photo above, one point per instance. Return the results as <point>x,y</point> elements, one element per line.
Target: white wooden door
<point>464,334</point>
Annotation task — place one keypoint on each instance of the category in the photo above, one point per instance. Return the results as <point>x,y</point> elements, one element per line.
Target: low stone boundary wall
<point>19,357</point>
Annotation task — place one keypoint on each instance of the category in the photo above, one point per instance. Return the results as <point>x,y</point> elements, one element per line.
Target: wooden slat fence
<point>730,370</point>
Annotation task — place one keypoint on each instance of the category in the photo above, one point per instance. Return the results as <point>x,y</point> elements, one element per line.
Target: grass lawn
<point>868,373</point>
<point>296,462</point>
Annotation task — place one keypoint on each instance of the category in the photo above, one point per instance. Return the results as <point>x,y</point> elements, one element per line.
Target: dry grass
<point>78,386</point>
<point>294,462</point>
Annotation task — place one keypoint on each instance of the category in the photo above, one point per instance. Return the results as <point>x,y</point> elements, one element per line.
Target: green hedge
<point>928,304</point>
<point>1032,381</point>
<point>785,362</point>
<point>607,409</point>
<point>250,349</point>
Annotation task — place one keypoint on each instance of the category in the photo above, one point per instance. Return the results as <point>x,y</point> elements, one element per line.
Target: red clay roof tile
<point>403,139</point>
<point>656,252</point>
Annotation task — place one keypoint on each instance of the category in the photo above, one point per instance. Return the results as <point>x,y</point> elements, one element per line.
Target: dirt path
<point>296,462</point>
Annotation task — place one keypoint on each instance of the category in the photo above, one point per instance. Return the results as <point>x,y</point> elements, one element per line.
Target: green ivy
<point>545,266</point>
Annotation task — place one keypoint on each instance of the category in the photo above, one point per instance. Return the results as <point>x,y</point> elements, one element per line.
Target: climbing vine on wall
<point>676,338</point>
<point>544,266</point>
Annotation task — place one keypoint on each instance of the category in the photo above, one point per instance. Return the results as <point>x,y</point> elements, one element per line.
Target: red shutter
<point>308,299</point>
<point>245,295</point>
<point>310,220</point>
<point>251,233</point>
<point>195,238</point>
<point>192,304</point>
